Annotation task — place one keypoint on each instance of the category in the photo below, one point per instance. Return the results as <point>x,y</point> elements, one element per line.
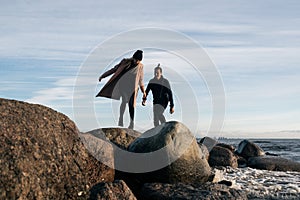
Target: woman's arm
<point>109,72</point>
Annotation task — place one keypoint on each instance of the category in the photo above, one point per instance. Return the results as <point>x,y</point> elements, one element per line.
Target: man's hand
<point>144,99</point>
<point>172,110</point>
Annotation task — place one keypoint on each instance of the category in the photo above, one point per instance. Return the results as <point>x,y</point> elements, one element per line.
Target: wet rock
<point>111,191</point>
<point>42,156</point>
<point>220,156</point>
<point>242,162</point>
<point>225,182</point>
<point>174,153</point>
<point>271,154</point>
<point>227,146</point>
<point>248,149</point>
<point>208,191</point>
<point>273,163</point>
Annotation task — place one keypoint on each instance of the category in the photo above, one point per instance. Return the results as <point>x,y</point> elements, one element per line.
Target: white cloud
<point>58,96</point>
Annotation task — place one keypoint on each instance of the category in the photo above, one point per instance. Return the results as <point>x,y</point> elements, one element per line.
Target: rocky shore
<point>44,156</point>
<point>264,184</point>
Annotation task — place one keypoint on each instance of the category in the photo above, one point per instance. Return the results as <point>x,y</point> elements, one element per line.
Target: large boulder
<point>273,163</point>
<point>42,156</point>
<point>220,156</point>
<point>111,191</point>
<point>208,191</point>
<point>180,155</point>
<point>248,149</point>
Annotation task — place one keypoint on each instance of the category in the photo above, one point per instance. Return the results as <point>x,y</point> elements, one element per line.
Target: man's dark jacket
<point>161,91</point>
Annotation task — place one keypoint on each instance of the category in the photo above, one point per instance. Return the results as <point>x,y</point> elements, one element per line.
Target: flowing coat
<point>124,82</point>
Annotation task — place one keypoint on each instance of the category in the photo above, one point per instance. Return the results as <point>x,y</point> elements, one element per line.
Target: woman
<point>128,76</point>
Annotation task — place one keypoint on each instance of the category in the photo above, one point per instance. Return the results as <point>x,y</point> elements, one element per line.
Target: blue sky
<point>254,44</point>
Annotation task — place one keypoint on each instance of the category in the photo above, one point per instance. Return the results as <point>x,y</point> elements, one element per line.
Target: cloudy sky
<point>254,45</point>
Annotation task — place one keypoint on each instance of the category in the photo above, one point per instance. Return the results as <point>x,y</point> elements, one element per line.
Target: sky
<point>254,45</point>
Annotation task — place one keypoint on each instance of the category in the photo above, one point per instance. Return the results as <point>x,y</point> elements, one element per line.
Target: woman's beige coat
<point>112,88</point>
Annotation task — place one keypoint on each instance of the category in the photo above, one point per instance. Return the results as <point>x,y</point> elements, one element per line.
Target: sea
<point>286,148</point>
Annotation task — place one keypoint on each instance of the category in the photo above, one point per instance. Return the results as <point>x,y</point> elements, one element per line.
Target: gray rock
<point>179,145</point>
<point>111,191</point>
<point>208,191</point>
<point>248,149</point>
<point>42,156</point>
<point>204,150</point>
<point>273,163</point>
<point>208,142</point>
<point>220,156</point>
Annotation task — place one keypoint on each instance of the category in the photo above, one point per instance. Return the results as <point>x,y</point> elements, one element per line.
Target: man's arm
<point>169,91</point>
<point>149,86</point>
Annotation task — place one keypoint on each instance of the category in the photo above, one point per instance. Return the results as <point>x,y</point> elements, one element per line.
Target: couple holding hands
<point>127,77</point>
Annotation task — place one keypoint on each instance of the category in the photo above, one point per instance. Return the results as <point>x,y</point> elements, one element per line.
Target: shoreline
<point>264,184</point>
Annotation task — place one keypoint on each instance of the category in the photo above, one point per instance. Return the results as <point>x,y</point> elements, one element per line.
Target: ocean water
<point>286,148</point>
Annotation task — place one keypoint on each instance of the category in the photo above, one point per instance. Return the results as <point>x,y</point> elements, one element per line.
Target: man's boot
<point>131,125</point>
<point>121,122</point>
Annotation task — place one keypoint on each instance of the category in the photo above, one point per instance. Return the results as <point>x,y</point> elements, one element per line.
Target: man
<point>128,75</point>
<point>162,95</point>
